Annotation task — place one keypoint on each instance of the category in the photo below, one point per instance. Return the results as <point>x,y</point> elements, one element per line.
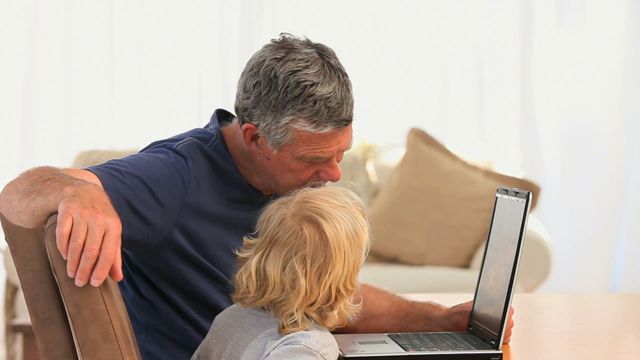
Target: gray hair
<point>294,83</point>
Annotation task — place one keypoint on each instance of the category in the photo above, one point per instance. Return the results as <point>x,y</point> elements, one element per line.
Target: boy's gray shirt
<point>251,334</point>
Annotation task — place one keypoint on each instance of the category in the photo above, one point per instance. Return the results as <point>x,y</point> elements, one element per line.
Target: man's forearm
<point>385,312</point>
<point>34,195</point>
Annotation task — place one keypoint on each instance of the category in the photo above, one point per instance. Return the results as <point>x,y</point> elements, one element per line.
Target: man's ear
<point>250,135</point>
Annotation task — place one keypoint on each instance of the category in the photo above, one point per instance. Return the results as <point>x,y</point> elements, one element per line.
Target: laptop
<point>484,335</point>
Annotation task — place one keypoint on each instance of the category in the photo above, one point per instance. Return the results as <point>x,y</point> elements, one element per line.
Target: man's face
<point>309,159</point>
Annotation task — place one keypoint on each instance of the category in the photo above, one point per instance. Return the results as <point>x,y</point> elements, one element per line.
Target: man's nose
<point>331,172</point>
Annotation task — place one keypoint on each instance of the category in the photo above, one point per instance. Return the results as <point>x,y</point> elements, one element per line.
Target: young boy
<point>296,280</point>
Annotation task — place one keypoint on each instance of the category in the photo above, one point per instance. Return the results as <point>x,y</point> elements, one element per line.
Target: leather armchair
<point>68,322</point>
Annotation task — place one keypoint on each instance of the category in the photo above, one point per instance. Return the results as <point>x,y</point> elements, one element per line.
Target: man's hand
<point>89,229</point>
<point>457,318</point>
<point>89,235</point>
<point>508,330</point>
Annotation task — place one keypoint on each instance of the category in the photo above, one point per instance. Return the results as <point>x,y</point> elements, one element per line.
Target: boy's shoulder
<point>317,342</point>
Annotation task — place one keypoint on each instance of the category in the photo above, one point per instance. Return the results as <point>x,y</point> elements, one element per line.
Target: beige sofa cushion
<point>355,173</point>
<point>435,208</point>
<point>95,157</point>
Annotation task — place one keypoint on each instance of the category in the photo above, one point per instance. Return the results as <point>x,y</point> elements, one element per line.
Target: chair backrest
<point>68,322</point>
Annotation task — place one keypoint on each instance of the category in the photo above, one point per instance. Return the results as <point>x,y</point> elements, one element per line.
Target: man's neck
<point>240,154</point>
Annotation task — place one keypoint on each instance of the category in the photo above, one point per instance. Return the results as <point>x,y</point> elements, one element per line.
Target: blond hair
<point>303,265</point>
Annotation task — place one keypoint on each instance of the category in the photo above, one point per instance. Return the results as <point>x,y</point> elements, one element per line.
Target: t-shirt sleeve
<point>147,190</point>
<point>298,352</point>
<point>303,345</point>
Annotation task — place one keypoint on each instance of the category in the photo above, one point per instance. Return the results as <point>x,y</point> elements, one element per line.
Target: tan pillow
<point>435,208</point>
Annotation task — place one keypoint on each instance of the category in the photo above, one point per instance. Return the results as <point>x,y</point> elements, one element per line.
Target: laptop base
<point>431,356</point>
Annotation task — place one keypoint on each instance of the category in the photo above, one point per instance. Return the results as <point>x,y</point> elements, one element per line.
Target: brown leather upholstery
<point>68,322</point>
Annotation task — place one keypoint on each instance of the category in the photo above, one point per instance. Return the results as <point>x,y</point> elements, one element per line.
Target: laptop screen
<point>498,270</point>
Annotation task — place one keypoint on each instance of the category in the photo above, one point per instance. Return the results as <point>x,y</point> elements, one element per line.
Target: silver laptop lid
<point>500,265</point>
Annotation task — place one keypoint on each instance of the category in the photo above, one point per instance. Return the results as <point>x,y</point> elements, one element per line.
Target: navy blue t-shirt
<point>184,208</point>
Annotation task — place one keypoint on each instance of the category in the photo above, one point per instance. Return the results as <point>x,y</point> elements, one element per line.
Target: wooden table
<point>568,326</point>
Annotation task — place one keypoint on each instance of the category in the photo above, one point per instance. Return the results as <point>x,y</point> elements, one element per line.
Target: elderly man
<point>166,220</point>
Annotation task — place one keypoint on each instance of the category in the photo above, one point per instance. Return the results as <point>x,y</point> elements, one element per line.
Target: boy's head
<point>303,265</point>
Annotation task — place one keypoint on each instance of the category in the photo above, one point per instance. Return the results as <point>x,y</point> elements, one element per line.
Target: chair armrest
<point>68,322</point>
<point>535,264</point>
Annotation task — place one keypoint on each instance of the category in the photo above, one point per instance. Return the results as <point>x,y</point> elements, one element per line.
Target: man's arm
<point>385,312</point>
<point>89,229</point>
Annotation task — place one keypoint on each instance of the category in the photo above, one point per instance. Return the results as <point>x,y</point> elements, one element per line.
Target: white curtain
<point>585,148</point>
<point>543,89</point>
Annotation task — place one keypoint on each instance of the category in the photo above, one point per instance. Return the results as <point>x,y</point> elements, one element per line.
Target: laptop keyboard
<point>438,341</point>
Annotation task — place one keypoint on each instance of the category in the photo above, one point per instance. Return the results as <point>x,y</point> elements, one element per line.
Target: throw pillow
<point>435,208</point>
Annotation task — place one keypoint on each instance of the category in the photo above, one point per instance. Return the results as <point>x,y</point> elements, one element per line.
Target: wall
<point>544,89</point>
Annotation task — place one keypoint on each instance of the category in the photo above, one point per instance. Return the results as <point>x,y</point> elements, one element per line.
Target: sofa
<point>429,212</point>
